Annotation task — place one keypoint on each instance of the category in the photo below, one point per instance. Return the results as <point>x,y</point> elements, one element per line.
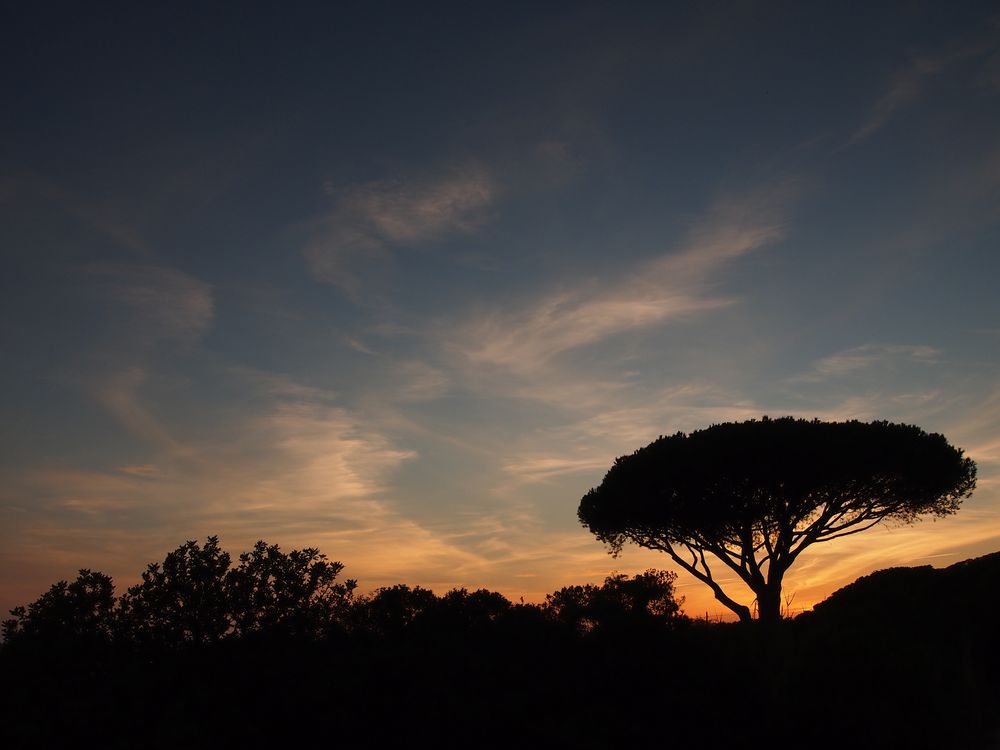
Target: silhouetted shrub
<point>645,600</point>
<point>184,600</point>
<point>79,611</point>
<point>389,611</point>
<point>291,594</point>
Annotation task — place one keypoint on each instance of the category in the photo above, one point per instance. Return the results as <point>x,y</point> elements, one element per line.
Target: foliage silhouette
<point>755,494</point>
<point>585,669</point>
<point>184,600</point>
<point>473,607</point>
<point>79,611</point>
<point>644,600</point>
<point>196,597</point>
<point>391,610</point>
<point>294,593</point>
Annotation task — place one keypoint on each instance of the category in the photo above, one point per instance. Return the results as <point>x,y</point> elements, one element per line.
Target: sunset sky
<point>401,280</point>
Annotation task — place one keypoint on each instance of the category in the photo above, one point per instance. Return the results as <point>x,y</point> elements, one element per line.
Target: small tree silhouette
<point>646,599</point>
<point>184,600</point>
<point>81,610</point>
<point>390,610</point>
<point>292,593</point>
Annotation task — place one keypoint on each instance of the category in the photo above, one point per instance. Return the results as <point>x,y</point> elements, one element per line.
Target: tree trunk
<point>769,603</point>
<point>741,611</point>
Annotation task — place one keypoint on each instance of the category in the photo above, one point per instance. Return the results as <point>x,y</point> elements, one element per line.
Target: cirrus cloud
<point>370,219</point>
<point>669,288</point>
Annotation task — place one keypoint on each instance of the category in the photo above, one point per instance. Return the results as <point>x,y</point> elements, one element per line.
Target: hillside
<point>962,592</point>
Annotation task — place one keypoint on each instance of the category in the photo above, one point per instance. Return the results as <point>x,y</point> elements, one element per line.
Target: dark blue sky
<point>400,280</point>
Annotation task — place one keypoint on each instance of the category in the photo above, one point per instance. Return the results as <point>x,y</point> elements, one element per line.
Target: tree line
<point>199,596</point>
<point>208,651</point>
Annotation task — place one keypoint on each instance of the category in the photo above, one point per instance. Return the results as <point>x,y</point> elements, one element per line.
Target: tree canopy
<point>195,596</point>
<point>71,612</point>
<point>753,495</point>
<point>182,600</point>
<point>646,598</point>
<point>294,593</point>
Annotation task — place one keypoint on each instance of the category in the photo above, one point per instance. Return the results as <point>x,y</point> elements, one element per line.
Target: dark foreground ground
<point>906,658</point>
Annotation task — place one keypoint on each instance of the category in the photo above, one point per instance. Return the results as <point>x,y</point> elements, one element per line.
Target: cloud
<point>96,215</point>
<point>296,468</point>
<point>581,418</point>
<point>539,468</point>
<point>909,83</point>
<point>333,454</point>
<point>141,470</point>
<point>973,417</point>
<point>419,381</point>
<point>269,387</point>
<point>162,303</point>
<point>299,458</point>
<point>78,490</point>
<point>589,442</point>
<point>368,220</point>
<point>672,287</point>
<point>409,214</point>
<point>566,321</point>
<point>119,394</point>
<point>145,310</point>
<point>905,86</point>
<point>865,357</point>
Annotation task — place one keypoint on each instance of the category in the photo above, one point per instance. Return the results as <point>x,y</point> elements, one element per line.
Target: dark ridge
<point>906,593</point>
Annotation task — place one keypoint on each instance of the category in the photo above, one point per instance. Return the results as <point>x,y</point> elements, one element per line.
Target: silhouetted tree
<point>294,593</point>
<point>81,610</point>
<point>463,612</point>
<point>390,610</point>
<point>184,600</point>
<point>481,605</point>
<point>646,599</point>
<point>755,494</point>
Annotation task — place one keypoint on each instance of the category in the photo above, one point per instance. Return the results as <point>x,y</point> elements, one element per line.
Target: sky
<point>400,280</point>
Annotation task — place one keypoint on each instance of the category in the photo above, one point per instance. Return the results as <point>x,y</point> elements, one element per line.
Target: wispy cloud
<point>408,214</point>
<point>589,442</point>
<point>867,356</point>
<point>269,387</point>
<point>160,302</point>
<point>419,381</point>
<point>904,87</point>
<point>297,469</point>
<point>593,416</point>
<point>912,81</point>
<point>119,394</point>
<point>150,308</point>
<point>368,220</point>
<point>103,219</point>
<point>669,288</point>
<point>141,470</point>
<point>335,457</point>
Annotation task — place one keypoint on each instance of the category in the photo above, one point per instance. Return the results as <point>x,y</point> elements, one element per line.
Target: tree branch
<point>742,611</point>
<point>838,534</point>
